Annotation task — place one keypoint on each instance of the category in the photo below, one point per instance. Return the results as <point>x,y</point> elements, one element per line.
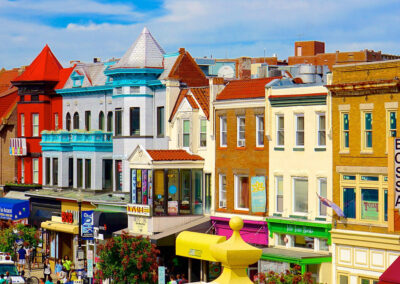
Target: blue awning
<point>14,209</point>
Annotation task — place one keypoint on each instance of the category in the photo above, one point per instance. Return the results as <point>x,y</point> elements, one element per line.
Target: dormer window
<point>77,79</point>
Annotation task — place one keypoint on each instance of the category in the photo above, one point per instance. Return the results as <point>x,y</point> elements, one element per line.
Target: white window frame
<point>297,116</point>
<point>276,193</point>
<point>294,195</point>
<point>22,120</point>
<point>259,130</point>
<point>183,133</point>
<point>222,190</point>
<point>223,132</point>
<point>22,170</point>
<point>364,131</point>
<point>343,132</point>
<point>319,192</point>
<point>205,133</point>
<point>319,129</point>
<point>278,130</point>
<point>35,127</point>
<point>35,171</point>
<point>388,124</point>
<point>241,142</point>
<point>236,188</point>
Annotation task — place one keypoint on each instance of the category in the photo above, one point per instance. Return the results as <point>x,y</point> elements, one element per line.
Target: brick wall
<point>8,164</point>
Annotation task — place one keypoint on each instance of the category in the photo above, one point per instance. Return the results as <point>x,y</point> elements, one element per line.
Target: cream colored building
<point>300,167</point>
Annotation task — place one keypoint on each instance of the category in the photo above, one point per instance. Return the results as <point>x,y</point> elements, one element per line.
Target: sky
<point>84,29</point>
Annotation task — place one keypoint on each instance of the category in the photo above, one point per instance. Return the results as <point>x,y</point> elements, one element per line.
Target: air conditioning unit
<point>241,143</point>
<point>222,204</point>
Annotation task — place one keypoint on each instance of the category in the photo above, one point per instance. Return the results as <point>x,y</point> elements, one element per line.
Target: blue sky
<point>81,30</point>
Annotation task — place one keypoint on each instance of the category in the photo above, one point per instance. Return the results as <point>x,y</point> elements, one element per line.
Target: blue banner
<point>87,230</point>
<point>258,194</point>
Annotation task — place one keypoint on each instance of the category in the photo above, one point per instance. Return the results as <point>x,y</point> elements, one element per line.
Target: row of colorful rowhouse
<point>152,145</point>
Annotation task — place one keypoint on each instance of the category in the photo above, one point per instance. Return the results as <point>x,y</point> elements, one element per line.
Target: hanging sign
<point>258,194</point>
<point>87,230</point>
<point>397,173</point>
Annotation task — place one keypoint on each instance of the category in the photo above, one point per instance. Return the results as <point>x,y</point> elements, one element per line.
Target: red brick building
<point>39,108</point>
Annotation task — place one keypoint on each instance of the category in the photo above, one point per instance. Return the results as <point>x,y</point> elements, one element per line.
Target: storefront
<point>302,242</point>
<point>15,210</point>
<point>42,209</point>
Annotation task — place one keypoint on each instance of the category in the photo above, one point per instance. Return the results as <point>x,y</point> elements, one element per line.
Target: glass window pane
<point>343,279</point>
<point>303,242</point>
<point>300,195</point>
<point>197,189</point>
<point>300,123</point>
<point>346,121</point>
<point>186,126</point>
<point>323,193</point>
<point>349,202</point>
<point>393,120</point>
<point>185,192</point>
<point>242,194</point>
<point>279,193</point>
<point>385,197</point>
<point>203,125</point>
<point>369,204</point>
<point>173,191</point>
<point>158,198</point>
<point>323,245</point>
<point>368,121</point>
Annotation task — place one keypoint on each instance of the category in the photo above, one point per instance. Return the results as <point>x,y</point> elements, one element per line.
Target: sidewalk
<point>38,272</point>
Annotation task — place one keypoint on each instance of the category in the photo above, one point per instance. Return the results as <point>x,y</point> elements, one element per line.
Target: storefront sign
<point>161,275</point>
<point>13,209</point>
<point>172,207</point>
<point>258,194</point>
<point>87,225</point>
<point>119,175</point>
<point>67,217</point>
<point>303,228</point>
<point>278,267</point>
<point>138,210</point>
<point>90,263</point>
<point>140,225</point>
<point>397,173</point>
<point>144,187</point>
<point>369,210</point>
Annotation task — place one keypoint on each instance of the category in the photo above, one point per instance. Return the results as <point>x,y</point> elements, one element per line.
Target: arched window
<point>101,120</point>
<point>109,121</point>
<point>76,120</point>
<point>68,121</point>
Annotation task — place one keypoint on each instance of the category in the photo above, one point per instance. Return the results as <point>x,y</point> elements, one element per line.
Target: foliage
<point>127,259</point>
<point>10,232</point>
<point>290,276</point>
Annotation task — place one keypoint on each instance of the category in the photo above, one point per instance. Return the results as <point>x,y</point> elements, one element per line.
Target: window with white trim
<point>186,133</point>
<point>35,170</point>
<point>279,193</point>
<point>321,129</point>
<point>223,131</point>
<point>345,131</point>
<point>222,191</point>
<point>280,130</point>
<point>322,191</point>
<point>242,192</point>
<point>22,122</point>
<point>260,130</point>
<point>300,195</point>
<point>367,131</point>
<point>203,132</point>
<point>241,128</point>
<point>391,125</point>
<point>35,124</point>
<point>299,130</point>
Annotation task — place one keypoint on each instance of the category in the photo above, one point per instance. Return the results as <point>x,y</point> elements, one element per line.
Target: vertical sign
<point>397,173</point>
<point>139,186</point>
<point>144,187</point>
<point>90,264</point>
<point>87,231</point>
<point>150,186</point>
<point>161,275</point>
<point>258,194</point>
<point>119,175</point>
<point>133,187</point>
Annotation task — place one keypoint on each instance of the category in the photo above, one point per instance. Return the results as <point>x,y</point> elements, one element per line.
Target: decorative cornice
<point>365,88</point>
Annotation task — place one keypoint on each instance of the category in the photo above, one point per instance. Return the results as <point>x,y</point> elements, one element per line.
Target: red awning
<point>391,275</point>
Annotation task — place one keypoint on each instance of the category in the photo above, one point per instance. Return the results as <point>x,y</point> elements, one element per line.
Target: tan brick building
<point>365,104</point>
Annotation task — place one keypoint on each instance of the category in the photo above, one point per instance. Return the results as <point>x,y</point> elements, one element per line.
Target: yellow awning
<point>60,227</point>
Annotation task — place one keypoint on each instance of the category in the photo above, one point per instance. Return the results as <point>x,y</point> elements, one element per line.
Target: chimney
<point>244,68</point>
<point>181,50</point>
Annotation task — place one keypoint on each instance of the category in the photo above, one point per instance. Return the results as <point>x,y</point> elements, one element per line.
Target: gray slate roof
<point>93,75</point>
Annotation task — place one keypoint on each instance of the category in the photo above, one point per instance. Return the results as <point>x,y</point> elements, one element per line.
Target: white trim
<point>319,115</point>
<point>22,121</point>
<point>294,196</point>
<point>201,120</point>
<point>319,179</point>
<point>221,120</point>
<point>33,170</point>
<point>236,189</point>
<point>240,142</point>
<point>183,133</point>
<point>277,116</point>
<point>239,103</point>
<point>276,192</point>
<point>297,116</point>
<point>258,129</point>
<point>35,125</point>
<point>220,177</point>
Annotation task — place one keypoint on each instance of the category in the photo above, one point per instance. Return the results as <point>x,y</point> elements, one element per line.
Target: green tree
<point>127,259</point>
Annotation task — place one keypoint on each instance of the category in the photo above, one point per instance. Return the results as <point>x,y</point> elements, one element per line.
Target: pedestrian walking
<point>67,264</point>
<point>46,269</point>
<point>58,267</point>
<point>21,258</point>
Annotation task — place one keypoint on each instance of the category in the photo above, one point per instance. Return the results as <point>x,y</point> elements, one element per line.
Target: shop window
<point>56,121</point>
<point>101,120</point>
<point>47,169</point>
<point>222,191</point>
<point>282,239</point>
<point>300,194</point>
<point>68,121</point>
<point>343,279</point>
<point>141,184</point>
<point>22,170</point>
<point>197,189</point>
<point>347,177</point>
<point>35,125</point>
<point>22,122</point>
<point>88,173</point>
<point>76,120</point>
<point>385,208</point>
<point>241,192</point>
<point>223,131</point>
<point>186,133</point>
<point>367,130</point>
<point>323,193</point>
<point>160,121</point>
<point>203,132</point>
<point>260,130</point>
<point>71,172</point>
<point>345,133</point>
<point>300,130</point>
<point>184,207</point>
<point>323,245</point>
<point>134,121</point>
<point>55,171</point>
<point>173,191</point>
<point>279,193</point>
<point>303,242</point>
<point>118,175</point>
<point>369,204</point>
<point>118,122</point>
<point>368,281</point>
<point>35,170</point>
<point>349,202</point>
<point>280,130</point>
<point>107,174</point>
<point>241,131</point>
<point>110,121</point>
<point>79,169</point>
<point>159,192</point>
<point>321,130</point>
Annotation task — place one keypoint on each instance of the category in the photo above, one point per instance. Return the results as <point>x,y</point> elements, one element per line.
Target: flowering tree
<point>127,259</point>
<point>290,276</point>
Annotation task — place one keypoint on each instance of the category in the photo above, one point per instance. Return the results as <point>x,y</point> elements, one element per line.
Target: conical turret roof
<point>45,67</point>
<point>145,52</point>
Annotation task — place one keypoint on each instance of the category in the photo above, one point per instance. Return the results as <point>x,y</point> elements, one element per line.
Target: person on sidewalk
<point>46,269</point>
<point>21,258</point>
<point>58,267</point>
<point>67,264</point>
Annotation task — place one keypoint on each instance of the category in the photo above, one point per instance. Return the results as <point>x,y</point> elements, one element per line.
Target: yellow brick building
<point>365,105</point>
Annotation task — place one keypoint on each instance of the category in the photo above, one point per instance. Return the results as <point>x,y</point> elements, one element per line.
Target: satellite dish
<point>226,72</point>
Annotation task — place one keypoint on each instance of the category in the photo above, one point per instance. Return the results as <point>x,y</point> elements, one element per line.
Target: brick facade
<point>8,163</point>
